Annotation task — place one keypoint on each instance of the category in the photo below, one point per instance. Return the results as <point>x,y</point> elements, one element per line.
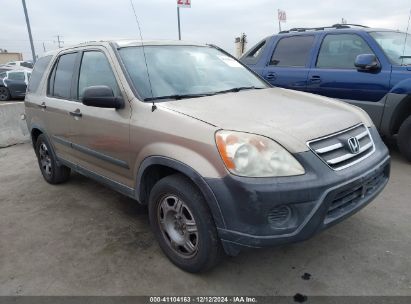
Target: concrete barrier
<point>13,130</point>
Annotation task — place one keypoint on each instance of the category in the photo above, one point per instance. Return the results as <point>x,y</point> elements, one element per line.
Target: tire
<point>51,171</point>
<point>4,94</point>
<point>179,215</point>
<point>404,138</point>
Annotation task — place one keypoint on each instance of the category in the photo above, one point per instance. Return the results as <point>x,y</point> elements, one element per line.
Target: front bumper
<point>261,212</point>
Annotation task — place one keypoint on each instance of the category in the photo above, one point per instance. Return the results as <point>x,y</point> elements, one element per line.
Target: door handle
<point>76,113</point>
<point>315,79</point>
<point>271,76</point>
<point>43,105</point>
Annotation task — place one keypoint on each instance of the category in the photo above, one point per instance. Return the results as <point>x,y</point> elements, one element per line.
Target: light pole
<point>179,26</point>
<point>33,53</point>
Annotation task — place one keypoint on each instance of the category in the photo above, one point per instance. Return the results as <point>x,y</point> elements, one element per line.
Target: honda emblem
<point>354,145</point>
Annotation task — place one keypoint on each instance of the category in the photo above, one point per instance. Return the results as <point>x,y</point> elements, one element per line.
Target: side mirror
<point>101,97</point>
<point>367,62</point>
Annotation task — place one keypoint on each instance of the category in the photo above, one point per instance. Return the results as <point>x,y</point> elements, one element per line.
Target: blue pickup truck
<point>369,68</point>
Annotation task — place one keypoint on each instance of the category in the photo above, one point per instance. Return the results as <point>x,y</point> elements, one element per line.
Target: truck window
<point>339,51</point>
<point>38,72</point>
<point>292,51</point>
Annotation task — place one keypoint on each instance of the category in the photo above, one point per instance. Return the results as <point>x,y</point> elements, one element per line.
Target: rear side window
<point>96,70</point>
<point>38,71</point>
<point>340,51</point>
<point>292,51</point>
<point>62,75</point>
<point>16,76</point>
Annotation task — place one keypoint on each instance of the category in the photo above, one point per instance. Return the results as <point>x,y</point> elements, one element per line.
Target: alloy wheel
<point>45,160</point>
<point>178,226</point>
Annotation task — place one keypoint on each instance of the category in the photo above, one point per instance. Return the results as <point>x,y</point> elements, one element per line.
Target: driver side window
<point>340,51</point>
<point>96,70</point>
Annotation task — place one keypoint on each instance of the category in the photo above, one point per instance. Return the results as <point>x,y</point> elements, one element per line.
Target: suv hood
<point>289,117</point>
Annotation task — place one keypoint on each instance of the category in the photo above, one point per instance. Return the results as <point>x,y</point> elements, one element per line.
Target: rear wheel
<point>51,171</point>
<point>4,94</point>
<point>404,138</point>
<point>183,225</point>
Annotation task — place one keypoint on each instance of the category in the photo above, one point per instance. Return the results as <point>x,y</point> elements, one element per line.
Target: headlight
<point>255,156</point>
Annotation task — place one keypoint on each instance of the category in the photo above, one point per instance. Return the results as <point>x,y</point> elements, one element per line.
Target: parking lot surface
<point>81,238</point>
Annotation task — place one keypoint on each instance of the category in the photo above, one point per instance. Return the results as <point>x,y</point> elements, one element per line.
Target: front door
<point>335,75</point>
<point>101,137</point>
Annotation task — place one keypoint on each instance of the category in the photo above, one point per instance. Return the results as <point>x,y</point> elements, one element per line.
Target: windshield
<point>185,70</point>
<point>393,45</point>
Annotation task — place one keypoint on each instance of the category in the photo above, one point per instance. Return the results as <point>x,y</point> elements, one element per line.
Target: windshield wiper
<point>185,96</point>
<point>238,89</point>
<point>176,96</point>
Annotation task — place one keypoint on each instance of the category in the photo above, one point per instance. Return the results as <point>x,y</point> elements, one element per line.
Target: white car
<point>24,64</point>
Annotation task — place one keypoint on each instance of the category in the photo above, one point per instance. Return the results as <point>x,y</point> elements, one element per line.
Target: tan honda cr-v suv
<point>223,160</point>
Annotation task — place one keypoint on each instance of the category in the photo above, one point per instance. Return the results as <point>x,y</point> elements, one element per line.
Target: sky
<point>207,21</point>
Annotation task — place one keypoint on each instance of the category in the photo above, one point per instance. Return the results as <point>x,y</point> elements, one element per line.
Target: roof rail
<point>335,26</point>
<point>345,25</point>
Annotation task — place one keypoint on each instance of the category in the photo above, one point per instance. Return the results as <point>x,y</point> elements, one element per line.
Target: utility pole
<point>33,53</point>
<point>59,41</point>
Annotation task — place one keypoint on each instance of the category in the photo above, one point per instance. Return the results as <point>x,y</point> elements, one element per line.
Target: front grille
<point>347,199</point>
<point>335,149</point>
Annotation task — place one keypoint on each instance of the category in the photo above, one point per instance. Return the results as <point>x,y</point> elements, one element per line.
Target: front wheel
<point>183,225</point>
<point>404,138</point>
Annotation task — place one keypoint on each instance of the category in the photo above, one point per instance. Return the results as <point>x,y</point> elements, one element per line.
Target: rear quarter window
<point>254,54</point>
<point>37,73</point>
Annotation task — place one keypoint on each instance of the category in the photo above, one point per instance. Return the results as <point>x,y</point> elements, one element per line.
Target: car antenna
<point>406,37</point>
<point>153,107</point>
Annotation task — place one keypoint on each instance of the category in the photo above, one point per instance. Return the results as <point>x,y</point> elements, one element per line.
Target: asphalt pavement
<point>81,238</point>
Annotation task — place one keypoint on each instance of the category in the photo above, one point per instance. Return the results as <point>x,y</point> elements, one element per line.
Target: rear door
<point>288,65</point>
<point>101,136</point>
<point>58,104</point>
<point>335,75</point>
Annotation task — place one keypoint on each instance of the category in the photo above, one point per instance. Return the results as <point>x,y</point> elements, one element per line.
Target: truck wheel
<point>183,225</point>
<point>404,138</point>
<point>4,94</point>
<point>51,171</point>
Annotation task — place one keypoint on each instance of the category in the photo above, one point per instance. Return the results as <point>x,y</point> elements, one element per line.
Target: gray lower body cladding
<point>261,212</point>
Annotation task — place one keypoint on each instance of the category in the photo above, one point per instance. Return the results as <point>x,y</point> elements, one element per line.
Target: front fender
<point>402,87</point>
<point>195,177</point>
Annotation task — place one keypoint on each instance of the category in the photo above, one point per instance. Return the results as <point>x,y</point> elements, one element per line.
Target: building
<point>9,56</point>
